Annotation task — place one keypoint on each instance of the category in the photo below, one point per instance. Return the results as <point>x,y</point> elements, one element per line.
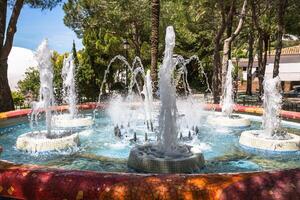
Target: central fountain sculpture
<point>167,155</point>
<point>72,119</point>
<point>45,140</point>
<point>226,118</point>
<point>272,138</point>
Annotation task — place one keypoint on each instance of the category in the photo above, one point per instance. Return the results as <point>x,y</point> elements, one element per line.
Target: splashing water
<point>46,98</point>
<point>148,102</point>
<point>168,110</point>
<point>227,100</point>
<point>69,90</point>
<point>183,72</point>
<point>272,105</point>
<point>134,71</point>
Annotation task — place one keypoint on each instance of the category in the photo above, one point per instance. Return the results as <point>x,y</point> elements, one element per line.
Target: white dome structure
<point>19,60</point>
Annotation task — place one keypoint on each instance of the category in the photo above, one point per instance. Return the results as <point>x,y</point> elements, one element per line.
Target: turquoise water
<point>100,150</point>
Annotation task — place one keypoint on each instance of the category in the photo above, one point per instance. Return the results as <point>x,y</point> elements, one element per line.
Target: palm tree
<point>155,10</point>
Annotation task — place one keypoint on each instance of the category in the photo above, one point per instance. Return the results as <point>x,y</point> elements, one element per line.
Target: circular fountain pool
<point>100,150</point>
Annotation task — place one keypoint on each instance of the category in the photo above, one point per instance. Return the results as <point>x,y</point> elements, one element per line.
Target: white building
<point>289,68</point>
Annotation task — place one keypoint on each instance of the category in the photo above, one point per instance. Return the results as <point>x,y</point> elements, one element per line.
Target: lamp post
<point>126,47</point>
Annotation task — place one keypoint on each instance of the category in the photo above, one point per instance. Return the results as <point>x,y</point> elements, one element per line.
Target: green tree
<point>18,98</point>
<point>292,18</point>
<point>103,26</point>
<point>57,61</point>
<point>155,12</point>
<point>31,83</point>
<point>7,33</point>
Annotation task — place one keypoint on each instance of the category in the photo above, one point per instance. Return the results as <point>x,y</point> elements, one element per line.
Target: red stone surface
<point>32,182</point>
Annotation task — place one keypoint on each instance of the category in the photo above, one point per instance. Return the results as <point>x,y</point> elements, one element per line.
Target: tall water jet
<point>272,138</point>
<point>168,110</point>
<point>167,155</point>
<point>69,85</point>
<point>45,140</point>
<point>227,103</point>
<point>272,105</point>
<point>71,120</point>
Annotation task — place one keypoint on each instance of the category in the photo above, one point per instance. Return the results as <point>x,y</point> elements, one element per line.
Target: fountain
<point>227,119</point>
<point>134,107</point>
<point>167,155</point>
<point>73,119</point>
<point>45,140</point>
<point>272,138</point>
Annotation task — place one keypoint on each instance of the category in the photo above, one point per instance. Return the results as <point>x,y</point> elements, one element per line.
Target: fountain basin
<point>233,121</point>
<point>41,141</point>
<point>146,158</point>
<point>252,141</point>
<point>66,121</point>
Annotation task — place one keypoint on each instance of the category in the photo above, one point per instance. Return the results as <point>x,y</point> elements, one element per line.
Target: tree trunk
<point>282,4</point>
<point>155,11</point>
<point>228,41</point>
<point>261,72</point>
<point>216,79</point>
<point>230,10</point>
<point>216,82</point>
<point>266,39</point>
<point>136,39</point>
<point>6,100</point>
<point>250,62</point>
<point>263,46</point>
<point>3,10</point>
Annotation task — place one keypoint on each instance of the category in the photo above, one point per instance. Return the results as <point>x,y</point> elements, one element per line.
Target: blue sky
<point>35,25</point>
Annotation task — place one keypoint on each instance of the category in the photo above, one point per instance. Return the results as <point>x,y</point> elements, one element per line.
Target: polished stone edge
<point>26,142</point>
<point>218,120</point>
<point>289,115</point>
<point>25,112</point>
<point>33,182</point>
<point>60,121</point>
<point>249,139</point>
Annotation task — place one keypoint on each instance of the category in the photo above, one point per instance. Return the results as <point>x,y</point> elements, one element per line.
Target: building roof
<point>288,55</point>
<point>294,50</point>
<point>283,59</point>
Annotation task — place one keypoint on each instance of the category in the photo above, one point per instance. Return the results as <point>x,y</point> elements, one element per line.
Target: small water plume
<point>46,98</point>
<point>272,106</point>
<point>227,102</point>
<point>148,101</point>
<point>69,89</point>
